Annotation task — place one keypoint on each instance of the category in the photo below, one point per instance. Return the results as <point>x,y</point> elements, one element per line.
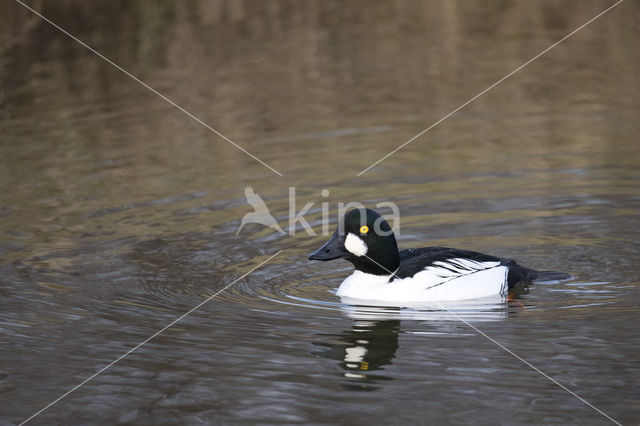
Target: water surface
<point>119,213</point>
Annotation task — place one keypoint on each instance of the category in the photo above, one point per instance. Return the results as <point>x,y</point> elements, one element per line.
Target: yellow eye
<point>364,229</point>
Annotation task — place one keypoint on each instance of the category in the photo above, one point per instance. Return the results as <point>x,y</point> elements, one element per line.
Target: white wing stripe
<point>448,267</point>
<point>442,271</point>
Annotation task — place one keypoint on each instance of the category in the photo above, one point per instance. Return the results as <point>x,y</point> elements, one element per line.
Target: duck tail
<point>547,276</point>
<point>518,273</point>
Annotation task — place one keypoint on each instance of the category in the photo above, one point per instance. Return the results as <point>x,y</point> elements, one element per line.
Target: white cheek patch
<point>355,245</point>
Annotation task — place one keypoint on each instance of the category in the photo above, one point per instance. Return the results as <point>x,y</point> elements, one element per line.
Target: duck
<point>428,274</point>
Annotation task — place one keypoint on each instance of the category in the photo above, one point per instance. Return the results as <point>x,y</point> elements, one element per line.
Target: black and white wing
<point>445,270</point>
<point>437,265</point>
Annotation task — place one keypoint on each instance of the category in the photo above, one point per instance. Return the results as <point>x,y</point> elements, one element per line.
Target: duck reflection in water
<point>367,347</point>
<point>372,341</point>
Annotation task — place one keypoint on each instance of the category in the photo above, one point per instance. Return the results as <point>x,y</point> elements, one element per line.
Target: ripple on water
<point>316,294</point>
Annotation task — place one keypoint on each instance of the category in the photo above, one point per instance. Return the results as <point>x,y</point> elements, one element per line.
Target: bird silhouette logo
<point>261,213</point>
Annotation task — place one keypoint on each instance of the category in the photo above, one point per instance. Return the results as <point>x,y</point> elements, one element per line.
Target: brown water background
<point>118,213</point>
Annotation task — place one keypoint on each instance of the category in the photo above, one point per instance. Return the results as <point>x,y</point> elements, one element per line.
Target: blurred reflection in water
<point>367,347</point>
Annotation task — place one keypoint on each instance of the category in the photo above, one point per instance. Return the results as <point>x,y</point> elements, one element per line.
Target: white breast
<point>453,279</point>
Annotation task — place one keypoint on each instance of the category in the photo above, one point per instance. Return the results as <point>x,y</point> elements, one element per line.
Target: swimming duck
<point>382,273</point>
